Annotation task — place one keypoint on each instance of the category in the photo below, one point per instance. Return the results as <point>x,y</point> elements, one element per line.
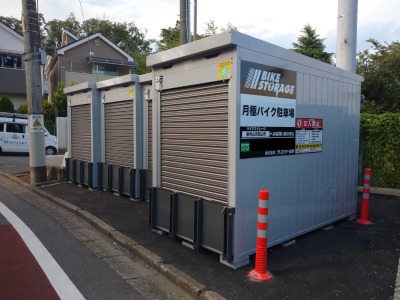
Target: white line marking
<point>57,277</point>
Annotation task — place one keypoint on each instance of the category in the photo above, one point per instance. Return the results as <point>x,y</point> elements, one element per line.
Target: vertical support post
<point>73,177</point>
<point>365,199</point>
<point>260,272</point>
<point>132,184</point>
<point>67,168</point>
<point>120,181</point>
<point>30,30</point>
<point>228,233</point>
<point>82,173</point>
<point>100,175</point>
<point>90,176</point>
<point>110,178</point>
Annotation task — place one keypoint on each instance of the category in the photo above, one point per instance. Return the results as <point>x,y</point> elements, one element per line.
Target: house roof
<point>12,31</point>
<point>62,50</point>
<point>66,33</point>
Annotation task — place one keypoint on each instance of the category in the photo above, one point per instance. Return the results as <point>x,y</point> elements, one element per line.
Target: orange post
<point>260,272</point>
<point>365,199</point>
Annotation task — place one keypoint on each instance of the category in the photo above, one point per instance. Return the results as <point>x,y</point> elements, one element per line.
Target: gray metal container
<point>122,134</point>
<point>84,136</point>
<point>232,115</point>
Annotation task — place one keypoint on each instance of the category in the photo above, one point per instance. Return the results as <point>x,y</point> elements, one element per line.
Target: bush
<point>6,105</point>
<point>60,101</point>
<point>379,146</point>
<point>23,108</point>
<point>48,114</point>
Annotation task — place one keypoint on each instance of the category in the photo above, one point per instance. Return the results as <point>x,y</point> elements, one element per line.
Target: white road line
<point>57,277</point>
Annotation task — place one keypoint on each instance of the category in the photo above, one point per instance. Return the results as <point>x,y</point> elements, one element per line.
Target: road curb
<point>183,280</point>
<point>382,191</point>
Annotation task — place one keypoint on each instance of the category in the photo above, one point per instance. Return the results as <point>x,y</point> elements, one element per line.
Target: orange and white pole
<point>365,199</point>
<point>260,272</point>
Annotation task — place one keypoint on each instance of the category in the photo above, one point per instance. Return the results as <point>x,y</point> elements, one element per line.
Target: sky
<point>278,22</point>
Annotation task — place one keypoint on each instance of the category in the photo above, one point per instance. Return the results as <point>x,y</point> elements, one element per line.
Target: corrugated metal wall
<point>194,140</point>
<point>119,142</point>
<point>150,134</point>
<point>81,134</point>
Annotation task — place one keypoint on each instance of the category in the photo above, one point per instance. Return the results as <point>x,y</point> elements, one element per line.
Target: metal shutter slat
<point>119,129</point>
<point>194,140</point>
<point>81,134</point>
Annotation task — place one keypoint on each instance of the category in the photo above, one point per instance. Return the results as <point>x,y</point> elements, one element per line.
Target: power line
<point>88,40</point>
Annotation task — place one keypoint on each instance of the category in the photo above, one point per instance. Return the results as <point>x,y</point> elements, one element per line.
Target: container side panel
<point>307,190</point>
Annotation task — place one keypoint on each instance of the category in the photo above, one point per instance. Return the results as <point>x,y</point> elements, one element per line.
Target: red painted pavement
<point>21,277</point>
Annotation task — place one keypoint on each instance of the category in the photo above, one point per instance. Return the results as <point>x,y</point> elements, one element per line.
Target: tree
<point>126,36</point>
<point>229,27</point>
<point>169,37</point>
<point>53,32</point>
<point>211,29</point>
<point>380,67</point>
<point>6,105</point>
<point>60,101</point>
<point>311,45</point>
<point>12,22</point>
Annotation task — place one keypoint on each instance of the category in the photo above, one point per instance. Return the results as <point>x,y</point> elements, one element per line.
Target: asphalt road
<point>13,164</point>
<point>91,275</point>
<point>98,267</point>
<point>349,261</point>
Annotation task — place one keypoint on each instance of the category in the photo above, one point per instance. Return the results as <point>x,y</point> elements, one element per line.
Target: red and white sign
<point>308,123</point>
<point>308,135</point>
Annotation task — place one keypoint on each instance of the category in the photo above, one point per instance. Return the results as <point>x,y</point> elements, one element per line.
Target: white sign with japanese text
<point>267,111</point>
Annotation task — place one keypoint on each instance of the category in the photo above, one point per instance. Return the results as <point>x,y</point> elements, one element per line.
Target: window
<point>15,128</point>
<point>104,70</point>
<point>1,127</point>
<point>13,61</point>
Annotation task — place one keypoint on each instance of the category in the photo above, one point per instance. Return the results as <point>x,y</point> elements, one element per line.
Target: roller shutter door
<point>81,133</point>
<point>119,133</point>
<point>150,134</point>
<point>194,141</point>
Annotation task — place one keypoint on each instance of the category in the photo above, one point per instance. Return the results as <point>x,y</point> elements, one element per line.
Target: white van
<point>14,135</point>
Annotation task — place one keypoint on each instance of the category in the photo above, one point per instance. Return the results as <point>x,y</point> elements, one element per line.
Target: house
<point>90,59</point>
<point>12,67</point>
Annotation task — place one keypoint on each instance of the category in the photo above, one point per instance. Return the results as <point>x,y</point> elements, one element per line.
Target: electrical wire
<point>88,40</point>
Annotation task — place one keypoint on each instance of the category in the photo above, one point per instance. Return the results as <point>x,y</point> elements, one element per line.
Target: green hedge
<point>380,148</point>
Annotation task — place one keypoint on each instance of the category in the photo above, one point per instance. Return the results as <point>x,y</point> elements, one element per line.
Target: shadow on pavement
<point>350,261</point>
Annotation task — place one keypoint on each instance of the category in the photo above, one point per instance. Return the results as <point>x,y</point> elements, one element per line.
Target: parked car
<point>14,135</point>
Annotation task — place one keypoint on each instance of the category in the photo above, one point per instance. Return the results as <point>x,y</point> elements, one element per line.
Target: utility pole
<point>188,21</point>
<point>346,42</point>
<point>30,29</point>
<point>183,21</point>
<point>195,20</point>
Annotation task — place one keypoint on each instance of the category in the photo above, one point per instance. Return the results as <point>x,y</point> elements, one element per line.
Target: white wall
<point>62,133</point>
<point>10,41</point>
